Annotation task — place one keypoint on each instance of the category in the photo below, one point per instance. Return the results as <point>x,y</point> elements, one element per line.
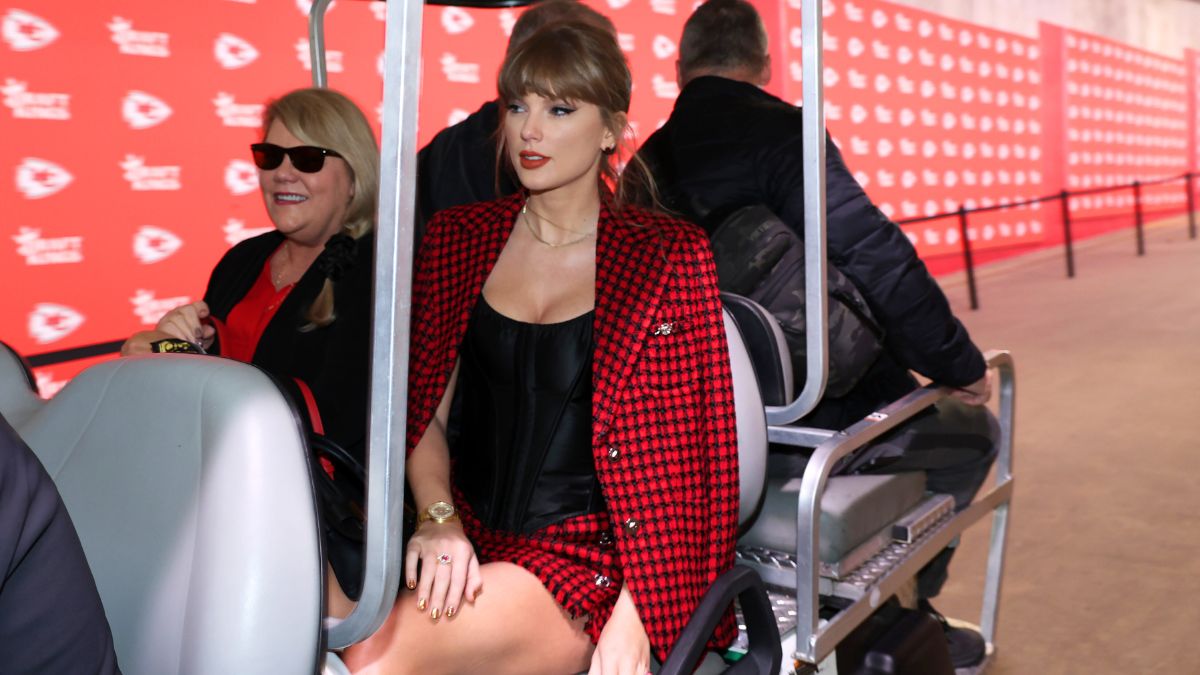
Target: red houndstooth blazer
<point>663,432</point>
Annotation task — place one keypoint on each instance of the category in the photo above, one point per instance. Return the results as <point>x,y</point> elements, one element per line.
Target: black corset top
<point>521,424</point>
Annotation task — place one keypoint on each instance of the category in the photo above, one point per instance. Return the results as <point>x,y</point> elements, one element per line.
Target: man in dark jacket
<point>51,620</point>
<point>729,143</point>
<point>458,166</point>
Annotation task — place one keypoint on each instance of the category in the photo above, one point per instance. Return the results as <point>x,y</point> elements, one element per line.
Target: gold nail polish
<point>435,613</point>
<point>449,612</point>
<point>421,605</point>
<point>411,583</point>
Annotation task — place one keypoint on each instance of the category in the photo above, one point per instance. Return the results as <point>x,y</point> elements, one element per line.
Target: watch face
<point>440,510</point>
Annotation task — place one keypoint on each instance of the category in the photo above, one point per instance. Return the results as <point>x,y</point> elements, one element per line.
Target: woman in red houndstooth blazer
<point>545,565</point>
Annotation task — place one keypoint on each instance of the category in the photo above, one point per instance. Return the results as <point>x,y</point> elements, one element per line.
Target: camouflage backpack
<point>759,257</point>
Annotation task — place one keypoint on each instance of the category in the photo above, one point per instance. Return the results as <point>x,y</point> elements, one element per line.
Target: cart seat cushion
<point>853,509</point>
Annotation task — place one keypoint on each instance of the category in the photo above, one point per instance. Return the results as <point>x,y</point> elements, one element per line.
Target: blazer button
<point>606,538</point>
<point>632,526</point>
<point>613,452</point>
<point>603,581</point>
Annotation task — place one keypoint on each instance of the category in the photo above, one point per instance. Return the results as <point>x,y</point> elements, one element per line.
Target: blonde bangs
<point>569,61</point>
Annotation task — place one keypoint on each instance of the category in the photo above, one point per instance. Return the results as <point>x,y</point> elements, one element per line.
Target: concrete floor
<point>1103,572</point>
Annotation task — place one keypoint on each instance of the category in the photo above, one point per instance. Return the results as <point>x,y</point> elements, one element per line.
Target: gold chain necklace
<point>529,224</point>
<point>280,271</point>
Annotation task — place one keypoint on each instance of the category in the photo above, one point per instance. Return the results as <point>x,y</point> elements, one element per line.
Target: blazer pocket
<point>669,363</point>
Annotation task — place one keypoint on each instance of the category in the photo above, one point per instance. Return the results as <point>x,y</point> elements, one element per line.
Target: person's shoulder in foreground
<point>51,619</point>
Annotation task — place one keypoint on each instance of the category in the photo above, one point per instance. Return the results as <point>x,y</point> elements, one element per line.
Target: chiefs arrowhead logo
<point>26,32</point>
<point>241,177</point>
<point>142,111</point>
<point>456,20</point>
<point>663,47</point>
<point>38,178</point>
<point>152,244</point>
<point>233,52</point>
<point>49,322</point>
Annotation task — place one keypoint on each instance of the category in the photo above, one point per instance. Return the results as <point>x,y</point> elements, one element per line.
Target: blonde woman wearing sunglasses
<point>296,301</point>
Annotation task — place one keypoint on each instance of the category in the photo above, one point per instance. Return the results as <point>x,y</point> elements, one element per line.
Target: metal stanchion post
<point>1137,217</point>
<point>967,259</point>
<point>1066,223</point>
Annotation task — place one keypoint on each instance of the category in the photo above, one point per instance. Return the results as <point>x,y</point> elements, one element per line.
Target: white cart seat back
<point>751,423</point>
<point>187,479</point>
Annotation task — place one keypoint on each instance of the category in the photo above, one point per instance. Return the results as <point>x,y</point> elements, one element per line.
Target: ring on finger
<point>444,559</point>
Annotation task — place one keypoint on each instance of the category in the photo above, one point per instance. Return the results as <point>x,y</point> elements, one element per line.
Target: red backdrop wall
<point>125,128</point>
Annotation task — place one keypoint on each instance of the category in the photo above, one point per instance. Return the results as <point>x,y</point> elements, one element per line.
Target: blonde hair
<point>328,119</point>
<point>575,61</point>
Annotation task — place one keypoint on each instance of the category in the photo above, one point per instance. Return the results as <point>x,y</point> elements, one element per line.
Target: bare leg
<point>336,603</point>
<point>514,626</point>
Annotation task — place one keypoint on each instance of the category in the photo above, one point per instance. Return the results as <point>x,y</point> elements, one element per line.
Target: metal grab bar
<point>813,642</point>
<point>816,314</point>
<point>316,41</point>
<point>389,350</point>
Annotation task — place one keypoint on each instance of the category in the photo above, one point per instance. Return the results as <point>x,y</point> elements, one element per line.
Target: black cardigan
<point>729,143</point>
<point>334,361</point>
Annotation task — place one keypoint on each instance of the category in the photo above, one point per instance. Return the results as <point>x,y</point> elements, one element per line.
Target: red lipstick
<point>532,160</point>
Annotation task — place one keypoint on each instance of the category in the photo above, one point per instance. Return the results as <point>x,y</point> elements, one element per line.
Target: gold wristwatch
<point>438,512</point>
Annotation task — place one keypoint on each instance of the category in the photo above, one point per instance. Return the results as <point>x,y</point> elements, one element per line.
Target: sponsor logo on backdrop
<point>664,87</point>
<point>507,19</point>
<point>663,47</point>
<point>465,73</point>
<point>379,9</point>
<point>663,7</point>
<point>39,250</point>
<point>142,110</point>
<point>142,177</point>
<point>241,177</point>
<point>333,58</point>
<point>627,42</point>
<point>234,114</point>
<point>150,309</point>
<point>30,105</point>
<point>139,42</point>
<point>154,244</point>
<point>236,231</point>
<point>457,115</point>
<point>232,52</point>
<point>618,4</point>
<point>48,386</point>
<point>25,32</point>
<point>50,322</point>
<point>456,20</point>
<point>39,178</point>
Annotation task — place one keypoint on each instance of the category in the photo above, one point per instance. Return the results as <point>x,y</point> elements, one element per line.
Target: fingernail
<point>435,613</point>
<point>421,604</point>
<point>449,612</point>
<point>411,583</point>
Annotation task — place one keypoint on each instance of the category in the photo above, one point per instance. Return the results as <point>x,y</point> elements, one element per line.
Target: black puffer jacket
<point>730,143</point>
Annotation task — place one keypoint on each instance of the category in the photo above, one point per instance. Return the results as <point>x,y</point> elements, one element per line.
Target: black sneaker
<point>967,647</point>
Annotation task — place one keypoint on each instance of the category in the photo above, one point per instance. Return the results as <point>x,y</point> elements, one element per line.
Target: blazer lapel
<point>630,276</point>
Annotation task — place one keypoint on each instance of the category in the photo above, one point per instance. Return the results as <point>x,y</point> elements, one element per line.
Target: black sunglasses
<point>306,158</point>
